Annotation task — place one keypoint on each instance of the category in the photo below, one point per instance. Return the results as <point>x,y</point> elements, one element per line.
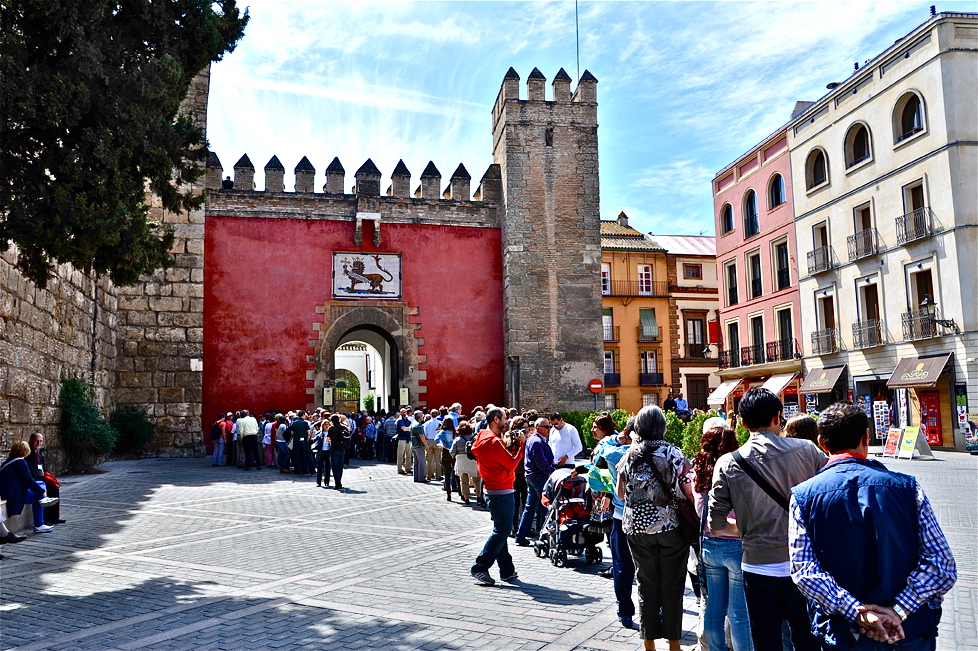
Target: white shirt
<point>247,426</point>
<point>565,441</point>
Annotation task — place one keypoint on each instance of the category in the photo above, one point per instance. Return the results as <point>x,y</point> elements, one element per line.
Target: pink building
<point>757,274</point>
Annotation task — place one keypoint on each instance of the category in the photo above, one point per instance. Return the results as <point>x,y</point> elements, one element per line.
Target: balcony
<point>755,288</point>
<point>651,379</point>
<point>731,296</point>
<point>784,278</point>
<point>750,355</point>
<point>783,350</point>
<point>697,351</point>
<point>863,244</point>
<point>867,334</point>
<point>649,334</point>
<point>632,288</point>
<point>825,342</point>
<point>729,359</point>
<point>611,333</point>
<point>819,260</point>
<point>612,379</point>
<point>927,323</point>
<point>914,225</point>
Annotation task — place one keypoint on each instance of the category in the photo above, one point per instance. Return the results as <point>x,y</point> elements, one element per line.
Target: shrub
<point>693,433</point>
<point>84,432</point>
<point>134,428</point>
<point>674,429</point>
<point>742,432</point>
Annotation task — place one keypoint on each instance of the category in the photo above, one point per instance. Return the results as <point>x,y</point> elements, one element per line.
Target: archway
<point>367,354</point>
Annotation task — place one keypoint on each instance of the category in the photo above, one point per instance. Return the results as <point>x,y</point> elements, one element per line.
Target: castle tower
<point>548,157</point>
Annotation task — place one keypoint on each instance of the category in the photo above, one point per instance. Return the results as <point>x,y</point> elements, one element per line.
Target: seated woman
<point>18,487</point>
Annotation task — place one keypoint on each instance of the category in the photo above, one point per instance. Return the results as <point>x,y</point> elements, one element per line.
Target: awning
<point>776,383</point>
<point>917,372</point>
<point>721,392</point>
<point>822,380</point>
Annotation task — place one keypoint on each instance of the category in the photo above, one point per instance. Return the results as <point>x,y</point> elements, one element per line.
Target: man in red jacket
<point>497,456</point>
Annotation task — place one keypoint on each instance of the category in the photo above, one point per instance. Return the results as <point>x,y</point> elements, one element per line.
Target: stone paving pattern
<point>175,554</point>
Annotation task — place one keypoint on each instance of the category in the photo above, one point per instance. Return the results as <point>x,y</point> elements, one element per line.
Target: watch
<point>899,610</point>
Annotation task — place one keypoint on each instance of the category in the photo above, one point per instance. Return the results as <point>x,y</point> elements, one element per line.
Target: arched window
<point>751,224</point>
<point>776,191</point>
<point>816,169</point>
<point>857,144</point>
<point>726,218</point>
<point>908,118</point>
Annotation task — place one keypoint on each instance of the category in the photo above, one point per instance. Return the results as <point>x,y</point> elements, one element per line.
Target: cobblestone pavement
<point>175,554</point>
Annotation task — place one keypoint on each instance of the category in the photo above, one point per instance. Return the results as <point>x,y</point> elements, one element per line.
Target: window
<point>820,235</point>
<point>921,287</point>
<point>605,278</point>
<point>611,401</point>
<point>695,336</point>
<point>785,330</point>
<point>649,361</point>
<point>699,390</point>
<point>645,280</point>
<point>826,312</point>
<point>731,275</point>
<point>913,197</point>
<point>608,324</point>
<point>609,361</point>
<point>648,328</point>
<point>733,336</point>
<point>726,219</point>
<point>857,144</point>
<point>757,340</point>
<point>908,117</point>
<point>751,225</point>
<point>754,265</point>
<point>781,262</point>
<point>650,399</point>
<point>776,191</point>
<point>816,169</point>
<point>694,271</point>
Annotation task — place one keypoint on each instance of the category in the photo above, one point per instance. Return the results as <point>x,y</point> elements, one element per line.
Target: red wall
<point>263,279</point>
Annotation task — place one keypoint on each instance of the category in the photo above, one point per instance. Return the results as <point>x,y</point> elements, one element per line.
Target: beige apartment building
<point>884,169</point>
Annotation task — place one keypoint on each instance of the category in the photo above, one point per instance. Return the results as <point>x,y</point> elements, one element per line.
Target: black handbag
<point>689,522</point>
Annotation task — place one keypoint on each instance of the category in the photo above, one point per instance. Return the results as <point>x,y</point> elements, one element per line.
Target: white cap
<point>715,421</point>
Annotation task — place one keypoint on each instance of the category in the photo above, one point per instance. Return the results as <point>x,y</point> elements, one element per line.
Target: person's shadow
<point>547,595</point>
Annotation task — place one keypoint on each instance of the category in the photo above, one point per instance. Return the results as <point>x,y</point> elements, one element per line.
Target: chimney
<point>623,219</point>
<point>491,187</point>
<point>562,84</point>
<point>244,174</point>
<point>368,180</point>
<point>212,177</point>
<point>305,176</point>
<point>459,184</point>
<point>536,86</point>
<point>274,175</point>
<point>430,182</point>
<point>335,175</point>
<point>400,181</point>
<point>587,88</point>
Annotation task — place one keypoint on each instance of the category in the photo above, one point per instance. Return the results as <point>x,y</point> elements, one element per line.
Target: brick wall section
<point>43,333</point>
<point>548,155</point>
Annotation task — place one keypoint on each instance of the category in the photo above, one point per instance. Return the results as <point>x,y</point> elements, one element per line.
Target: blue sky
<point>684,87</point>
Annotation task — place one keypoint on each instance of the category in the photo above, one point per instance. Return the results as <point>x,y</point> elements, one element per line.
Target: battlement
<point>368,180</point>
<point>586,92</point>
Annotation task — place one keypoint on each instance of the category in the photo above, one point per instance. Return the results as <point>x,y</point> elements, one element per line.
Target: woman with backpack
<point>465,466</point>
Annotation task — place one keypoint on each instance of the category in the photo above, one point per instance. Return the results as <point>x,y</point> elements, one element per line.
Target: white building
<point>885,168</point>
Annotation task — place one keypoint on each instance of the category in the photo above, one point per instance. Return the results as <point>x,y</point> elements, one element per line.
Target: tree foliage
<point>134,428</point>
<point>90,92</point>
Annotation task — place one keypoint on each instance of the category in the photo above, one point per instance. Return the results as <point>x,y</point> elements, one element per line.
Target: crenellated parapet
<point>367,180</point>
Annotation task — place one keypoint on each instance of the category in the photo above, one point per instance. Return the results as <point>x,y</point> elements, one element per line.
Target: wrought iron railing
<point>611,333</point>
<point>819,260</point>
<point>651,379</point>
<point>862,244</point>
<point>638,288</point>
<point>729,359</point>
<point>612,379</point>
<point>698,351</point>
<point>914,225</point>
<point>649,334</point>
<point>753,354</point>
<point>918,324</point>
<point>868,333</point>
<point>782,350</point>
<point>825,342</point>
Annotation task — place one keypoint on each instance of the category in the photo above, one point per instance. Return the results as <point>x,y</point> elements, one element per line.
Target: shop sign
<point>971,434</point>
<point>881,417</point>
<point>892,442</point>
<point>791,391</point>
<point>961,401</point>
<point>918,372</point>
<point>909,442</point>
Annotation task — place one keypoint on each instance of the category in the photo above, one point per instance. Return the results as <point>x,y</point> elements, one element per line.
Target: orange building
<point>635,299</point>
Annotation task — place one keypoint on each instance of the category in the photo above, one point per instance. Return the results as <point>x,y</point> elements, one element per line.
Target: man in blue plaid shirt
<point>866,548</point>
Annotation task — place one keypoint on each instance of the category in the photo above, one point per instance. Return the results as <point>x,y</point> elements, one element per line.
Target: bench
<point>23,521</point>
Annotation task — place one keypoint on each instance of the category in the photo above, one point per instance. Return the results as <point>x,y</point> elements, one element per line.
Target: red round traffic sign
<point>596,386</point>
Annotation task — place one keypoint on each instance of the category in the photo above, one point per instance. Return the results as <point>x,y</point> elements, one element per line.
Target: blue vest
<point>862,520</point>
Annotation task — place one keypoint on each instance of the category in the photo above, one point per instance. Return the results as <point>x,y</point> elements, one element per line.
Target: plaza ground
<point>175,554</point>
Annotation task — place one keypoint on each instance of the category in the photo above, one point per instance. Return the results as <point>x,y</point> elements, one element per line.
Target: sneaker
<point>49,501</point>
<point>512,577</point>
<point>44,528</point>
<point>626,621</point>
<point>483,578</point>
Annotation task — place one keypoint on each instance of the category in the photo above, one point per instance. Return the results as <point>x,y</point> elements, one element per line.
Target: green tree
<point>90,92</point>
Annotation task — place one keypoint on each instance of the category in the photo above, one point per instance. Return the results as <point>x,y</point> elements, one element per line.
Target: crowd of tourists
<point>792,548</point>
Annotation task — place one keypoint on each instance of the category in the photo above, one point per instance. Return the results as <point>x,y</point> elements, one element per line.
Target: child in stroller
<point>566,529</point>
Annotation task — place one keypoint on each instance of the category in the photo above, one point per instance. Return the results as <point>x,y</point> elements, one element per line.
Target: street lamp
<point>928,309</point>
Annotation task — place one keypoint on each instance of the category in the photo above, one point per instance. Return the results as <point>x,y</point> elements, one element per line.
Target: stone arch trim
<point>335,318</point>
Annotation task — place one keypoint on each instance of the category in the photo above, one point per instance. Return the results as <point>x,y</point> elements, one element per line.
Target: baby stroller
<point>566,529</point>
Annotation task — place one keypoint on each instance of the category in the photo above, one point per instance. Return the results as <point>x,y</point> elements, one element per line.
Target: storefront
<point>931,401</point>
<point>718,399</point>
<point>785,386</point>
<point>878,401</point>
<point>823,386</point>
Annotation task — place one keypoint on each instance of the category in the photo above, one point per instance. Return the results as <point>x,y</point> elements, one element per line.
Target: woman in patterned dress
<point>651,525</point>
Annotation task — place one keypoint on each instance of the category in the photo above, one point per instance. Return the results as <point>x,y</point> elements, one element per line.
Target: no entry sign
<point>596,386</point>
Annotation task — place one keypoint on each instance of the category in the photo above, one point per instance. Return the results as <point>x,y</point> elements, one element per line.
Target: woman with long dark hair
<point>652,477</point>
<point>722,555</point>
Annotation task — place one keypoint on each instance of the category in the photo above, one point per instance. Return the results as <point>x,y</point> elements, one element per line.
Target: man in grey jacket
<point>756,486</point>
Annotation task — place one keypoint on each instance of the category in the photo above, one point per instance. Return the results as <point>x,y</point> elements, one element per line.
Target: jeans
<point>623,570</point>
<point>36,509</point>
<point>532,509</point>
<point>501,510</point>
<point>283,454</point>
<point>323,466</point>
<point>725,594</point>
<point>218,459</point>
<point>771,600</point>
<point>336,459</point>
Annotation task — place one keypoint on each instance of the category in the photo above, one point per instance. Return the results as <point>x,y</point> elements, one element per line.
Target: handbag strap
<point>760,481</point>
